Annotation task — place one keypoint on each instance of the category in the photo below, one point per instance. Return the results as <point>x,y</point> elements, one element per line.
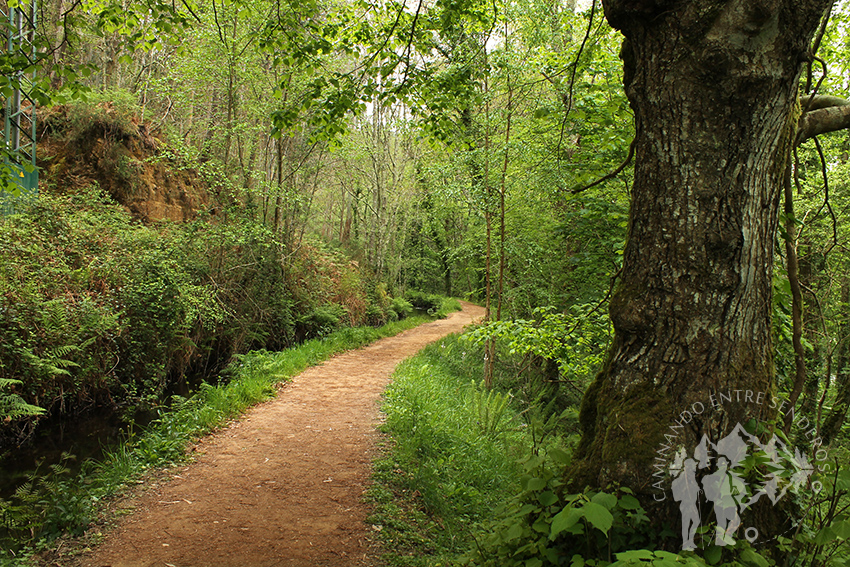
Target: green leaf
<point>547,498</point>
<point>606,500</point>
<point>843,480</point>
<point>825,535</point>
<point>629,502</point>
<point>639,554</point>
<point>535,483</point>
<point>513,532</point>
<point>532,462</point>
<point>671,558</point>
<point>842,529</point>
<point>564,520</point>
<point>540,526</point>
<point>559,456</point>
<point>712,554</point>
<point>598,516</point>
<point>750,556</point>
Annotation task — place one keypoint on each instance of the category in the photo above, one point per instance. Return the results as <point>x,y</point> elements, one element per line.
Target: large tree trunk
<point>713,85</point>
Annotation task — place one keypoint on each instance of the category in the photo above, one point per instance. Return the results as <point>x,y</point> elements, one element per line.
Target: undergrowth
<point>56,502</point>
<point>452,454</point>
<point>471,477</point>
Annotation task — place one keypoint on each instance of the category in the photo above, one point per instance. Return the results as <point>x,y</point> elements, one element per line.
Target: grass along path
<point>283,485</point>
<point>61,502</point>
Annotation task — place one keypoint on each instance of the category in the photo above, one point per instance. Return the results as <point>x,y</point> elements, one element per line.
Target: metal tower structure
<point>19,25</point>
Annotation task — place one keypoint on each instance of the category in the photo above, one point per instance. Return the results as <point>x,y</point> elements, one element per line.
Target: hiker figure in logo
<point>685,490</point>
<point>726,490</point>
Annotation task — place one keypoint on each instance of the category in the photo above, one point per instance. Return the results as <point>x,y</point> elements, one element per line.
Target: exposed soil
<point>282,486</point>
<point>124,157</point>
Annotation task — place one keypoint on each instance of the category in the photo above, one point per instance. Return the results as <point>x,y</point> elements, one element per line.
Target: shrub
<point>97,309</point>
<point>400,308</point>
<point>375,316</point>
<point>322,320</point>
<point>424,301</point>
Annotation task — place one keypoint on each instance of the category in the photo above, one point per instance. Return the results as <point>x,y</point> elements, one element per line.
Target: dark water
<point>85,437</point>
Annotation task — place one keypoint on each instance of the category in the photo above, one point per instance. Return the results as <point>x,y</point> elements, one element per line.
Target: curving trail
<point>283,485</point>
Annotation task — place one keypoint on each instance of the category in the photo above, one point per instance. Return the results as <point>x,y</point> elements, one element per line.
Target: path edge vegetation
<point>75,508</point>
<point>443,495</point>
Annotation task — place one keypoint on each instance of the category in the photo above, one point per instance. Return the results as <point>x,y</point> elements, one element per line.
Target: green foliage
<point>593,228</point>
<point>490,406</point>
<point>541,525</point>
<point>433,304</point>
<point>400,308</point>
<point>452,455</point>
<point>322,320</point>
<point>95,308</point>
<point>56,331</point>
<point>447,305</point>
<point>424,301</point>
<point>648,558</point>
<point>474,477</point>
<point>47,505</point>
<point>113,114</point>
<point>113,304</point>
<point>576,341</point>
<point>12,406</point>
<point>13,183</point>
<point>823,538</point>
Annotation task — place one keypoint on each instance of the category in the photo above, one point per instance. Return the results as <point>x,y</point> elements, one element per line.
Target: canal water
<point>84,437</point>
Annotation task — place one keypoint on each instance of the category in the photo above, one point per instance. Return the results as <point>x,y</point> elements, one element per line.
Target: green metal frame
<point>19,133</point>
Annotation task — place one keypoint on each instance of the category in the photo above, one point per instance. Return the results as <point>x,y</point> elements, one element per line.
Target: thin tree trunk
<point>796,296</point>
<point>278,204</point>
<point>502,191</point>
<point>835,418</point>
<point>489,347</point>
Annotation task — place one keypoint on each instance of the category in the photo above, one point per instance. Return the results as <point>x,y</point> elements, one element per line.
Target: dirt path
<point>282,486</point>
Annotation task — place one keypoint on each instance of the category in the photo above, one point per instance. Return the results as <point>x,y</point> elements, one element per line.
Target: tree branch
<point>823,120</point>
<point>613,174</point>
<point>191,11</point>
<point>811,103</point>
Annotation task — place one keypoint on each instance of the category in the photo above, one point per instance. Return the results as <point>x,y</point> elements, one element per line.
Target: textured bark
<point>713,85</point>
<point>823,120</point>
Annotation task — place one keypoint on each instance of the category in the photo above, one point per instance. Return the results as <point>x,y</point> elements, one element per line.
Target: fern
<point>47,504</point>
<point>53,363</point>
<point>489,408</point>
<point>12,406</point>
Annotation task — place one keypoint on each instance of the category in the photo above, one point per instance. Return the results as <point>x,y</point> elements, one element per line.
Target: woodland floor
<point>281,486</point>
